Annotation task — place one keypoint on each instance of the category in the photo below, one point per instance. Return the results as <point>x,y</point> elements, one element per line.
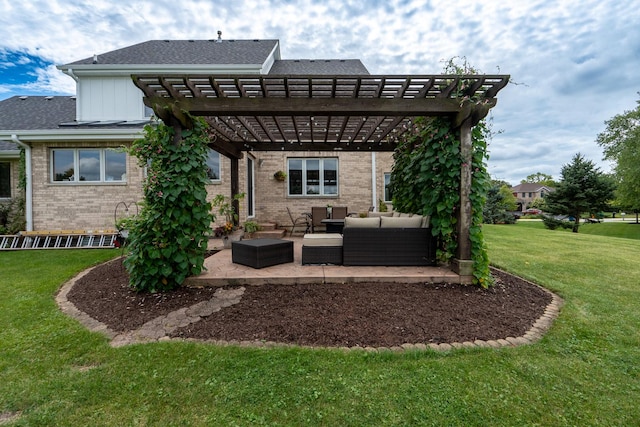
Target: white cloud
<point>577,60</point>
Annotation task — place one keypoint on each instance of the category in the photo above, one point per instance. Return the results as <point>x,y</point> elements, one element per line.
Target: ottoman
<point>322,249</point>
<point>259,253</point>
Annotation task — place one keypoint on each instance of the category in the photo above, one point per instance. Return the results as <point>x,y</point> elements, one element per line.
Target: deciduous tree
<point>621,143</point>
<point>539,178</point>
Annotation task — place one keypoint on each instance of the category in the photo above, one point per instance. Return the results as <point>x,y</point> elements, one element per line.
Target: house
<point>526,193</point>
<point>77,173</point>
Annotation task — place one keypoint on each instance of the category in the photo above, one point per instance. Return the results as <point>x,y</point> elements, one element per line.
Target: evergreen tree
<point>582,189</point>
<point>499,205</point>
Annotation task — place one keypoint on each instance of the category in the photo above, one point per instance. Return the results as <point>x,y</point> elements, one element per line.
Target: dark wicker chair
<point>339,212</point>
<point>317,215</point>
<point>302,219</point>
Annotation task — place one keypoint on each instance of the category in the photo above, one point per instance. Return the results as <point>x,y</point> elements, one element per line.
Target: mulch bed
<point>364,314</point>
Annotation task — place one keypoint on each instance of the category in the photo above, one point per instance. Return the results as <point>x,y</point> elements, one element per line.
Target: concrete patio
<point>221,271</point>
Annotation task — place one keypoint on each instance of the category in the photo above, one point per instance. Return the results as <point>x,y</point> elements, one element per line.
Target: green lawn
<point>585,371</point>
<point>624,229</point>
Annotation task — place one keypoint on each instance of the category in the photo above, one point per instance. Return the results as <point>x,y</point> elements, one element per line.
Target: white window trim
<point>219,179</point>
<point>304,177</point>
<point>384,186</point>
<point>76,163</point>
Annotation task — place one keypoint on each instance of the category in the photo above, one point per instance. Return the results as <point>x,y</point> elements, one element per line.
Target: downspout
<point>374,189</point>
<point>29,190</point>
<point>70,73</point>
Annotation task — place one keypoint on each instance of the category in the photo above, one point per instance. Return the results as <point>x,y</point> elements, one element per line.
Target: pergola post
<point>463,264</point>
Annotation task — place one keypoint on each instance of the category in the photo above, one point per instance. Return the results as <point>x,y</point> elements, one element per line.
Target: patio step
<point>269,234</point>
<point>268,226</point>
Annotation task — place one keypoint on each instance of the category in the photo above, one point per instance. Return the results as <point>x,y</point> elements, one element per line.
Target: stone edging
<point>158,328</point>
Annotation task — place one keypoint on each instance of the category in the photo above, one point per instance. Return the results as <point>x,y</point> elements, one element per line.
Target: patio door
<point>250,188</point>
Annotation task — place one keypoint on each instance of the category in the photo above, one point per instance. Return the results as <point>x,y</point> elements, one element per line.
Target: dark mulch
<point>365,314</point>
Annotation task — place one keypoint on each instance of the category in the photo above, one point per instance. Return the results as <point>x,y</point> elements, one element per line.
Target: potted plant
<point>280,176</point>
<point>250,227</point>
<point>229,230</point>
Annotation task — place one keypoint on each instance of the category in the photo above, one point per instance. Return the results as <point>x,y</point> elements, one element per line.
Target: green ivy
<point>480,184</point>
<point>168,239</point>
<point>425,180</point>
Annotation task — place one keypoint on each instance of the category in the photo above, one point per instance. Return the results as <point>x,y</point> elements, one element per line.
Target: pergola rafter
<point>346,113</point>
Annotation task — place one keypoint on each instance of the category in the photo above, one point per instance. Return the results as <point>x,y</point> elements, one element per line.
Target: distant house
<point>78,173</point>
<point>527,192</point>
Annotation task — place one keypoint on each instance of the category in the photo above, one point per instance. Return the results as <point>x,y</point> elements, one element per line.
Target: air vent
<point>23,97</point>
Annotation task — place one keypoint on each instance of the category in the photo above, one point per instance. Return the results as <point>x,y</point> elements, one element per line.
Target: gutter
<point>29,190</point>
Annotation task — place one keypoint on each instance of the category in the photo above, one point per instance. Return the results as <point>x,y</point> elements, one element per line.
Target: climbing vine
<point>168,239</point>
<point>425,179</point>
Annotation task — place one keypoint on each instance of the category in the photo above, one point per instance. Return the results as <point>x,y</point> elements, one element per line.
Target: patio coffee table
<point>334,225</point>
<point>259,253</point>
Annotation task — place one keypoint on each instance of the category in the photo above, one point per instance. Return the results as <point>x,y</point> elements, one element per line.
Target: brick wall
<point>354,181</point>
<point>89,206</point>
<point>92,206</point>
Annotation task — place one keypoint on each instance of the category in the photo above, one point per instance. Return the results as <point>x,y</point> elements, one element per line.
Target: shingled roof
<point>36,112</point>
<point>187,52</point>
<point>529,187</point>
<point>8,147</point>
<point>319,67</point>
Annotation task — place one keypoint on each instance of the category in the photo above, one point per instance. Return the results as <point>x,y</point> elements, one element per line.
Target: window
<point>387,190</point>
<point>88,165</point>
<point>5,180</point>
<point>213,165</point>
<point>313,177</point>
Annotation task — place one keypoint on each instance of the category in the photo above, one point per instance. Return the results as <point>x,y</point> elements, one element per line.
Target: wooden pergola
<point>325,113</point>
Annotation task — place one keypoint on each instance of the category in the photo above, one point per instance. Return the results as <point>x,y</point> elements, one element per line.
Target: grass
<point>585,371</point>
<point>624,229</point>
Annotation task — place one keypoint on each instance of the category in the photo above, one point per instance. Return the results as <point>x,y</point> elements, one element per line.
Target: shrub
<point>552,223</point>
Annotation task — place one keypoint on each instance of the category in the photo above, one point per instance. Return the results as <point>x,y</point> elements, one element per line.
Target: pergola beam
<point>309,106</point>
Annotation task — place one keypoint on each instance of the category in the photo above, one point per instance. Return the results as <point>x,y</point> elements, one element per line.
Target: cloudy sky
<point>573,63</point>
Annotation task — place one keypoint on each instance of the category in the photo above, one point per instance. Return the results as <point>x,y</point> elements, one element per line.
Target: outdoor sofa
<point>388,240</point>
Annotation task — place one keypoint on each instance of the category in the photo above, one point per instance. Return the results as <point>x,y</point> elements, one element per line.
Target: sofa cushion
<point>362,222</point>
<point>401,222</point>
<point>378,214</point>
<point>317,240</point>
